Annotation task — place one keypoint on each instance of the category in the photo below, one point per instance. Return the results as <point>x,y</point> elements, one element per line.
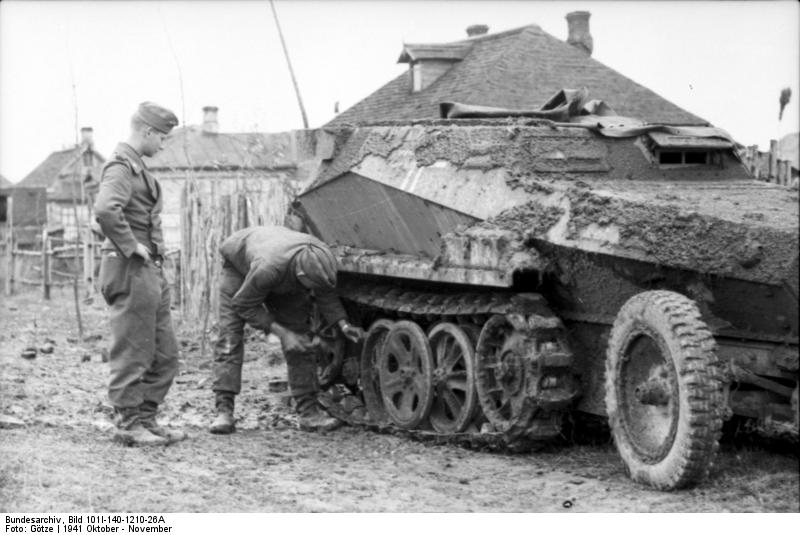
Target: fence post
<point>45,264</point>
<point>773,160</point>
<point>185,245</point>
<point>9,264</point>
<point>10,247</point>
<point>241,211</point>
<point>88,261</point>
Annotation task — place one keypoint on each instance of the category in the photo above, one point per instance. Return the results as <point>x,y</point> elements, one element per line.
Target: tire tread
<point>698,370</point>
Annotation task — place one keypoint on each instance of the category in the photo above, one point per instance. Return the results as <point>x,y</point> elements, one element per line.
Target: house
<point>23,216</point>
<point>5,193</point>
<point>214,183</point>
<point>778,165</point>
<point>258,172</point>
<point>69,177</point>
<point>23,210</point>
<point>520,68</point>
<point>789,149</point>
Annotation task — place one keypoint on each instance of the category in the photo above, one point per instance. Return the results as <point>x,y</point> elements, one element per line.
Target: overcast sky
<point>723,61</point>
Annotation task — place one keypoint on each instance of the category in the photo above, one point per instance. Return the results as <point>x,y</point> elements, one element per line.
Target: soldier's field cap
<point>316,267</point>
<point>157,116</point>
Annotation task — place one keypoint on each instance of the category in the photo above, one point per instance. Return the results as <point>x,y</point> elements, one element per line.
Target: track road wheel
<point>664,390</point>
<point>370,382</point>
<point>405,370</point>
<point>453,378</point>
<point>500,378</point>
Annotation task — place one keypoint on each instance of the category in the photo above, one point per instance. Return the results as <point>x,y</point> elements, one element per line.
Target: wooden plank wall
<point>210,212</point>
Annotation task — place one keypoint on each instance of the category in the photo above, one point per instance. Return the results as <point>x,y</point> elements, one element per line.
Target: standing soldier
<point>268,276</point>
<point>143,357</point>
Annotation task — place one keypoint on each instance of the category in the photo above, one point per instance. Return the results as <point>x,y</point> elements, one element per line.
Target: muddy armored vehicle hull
<point>513,271</point>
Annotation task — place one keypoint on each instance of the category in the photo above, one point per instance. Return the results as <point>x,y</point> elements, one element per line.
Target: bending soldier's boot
<point>147,417</point>
<point>304,386</point>
<point>312,417</point>
<point>224,424</point>
<point>131,432</point>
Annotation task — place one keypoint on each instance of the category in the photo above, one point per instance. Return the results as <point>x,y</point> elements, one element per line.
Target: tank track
<point>491,441</point>
<point>468,307</point>
<point>471,308</point>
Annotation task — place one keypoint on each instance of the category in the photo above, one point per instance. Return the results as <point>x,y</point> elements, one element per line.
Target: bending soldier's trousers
<point>293,311</point>
<point>143,357</point>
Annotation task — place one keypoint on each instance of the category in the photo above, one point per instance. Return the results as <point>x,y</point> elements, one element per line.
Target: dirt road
<point>57,456</point>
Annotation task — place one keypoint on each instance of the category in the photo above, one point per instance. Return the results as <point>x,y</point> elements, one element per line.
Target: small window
<point>676,150</point>
<point>665,158</point>
<point>695,157</point>
<point>683,157</point>
<point>416,77</point>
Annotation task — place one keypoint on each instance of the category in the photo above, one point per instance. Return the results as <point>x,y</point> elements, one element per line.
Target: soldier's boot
<point>312,417</point>
<point>223,424</point>
<point>131,432</point>
<point>304,386</point>
<point>147,417</point>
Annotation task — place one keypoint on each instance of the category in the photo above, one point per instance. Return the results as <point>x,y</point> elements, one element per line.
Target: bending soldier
<point>143,357</point>
<point>268,276</point>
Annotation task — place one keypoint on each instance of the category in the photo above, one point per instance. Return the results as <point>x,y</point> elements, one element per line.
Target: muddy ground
<point>56,454</point>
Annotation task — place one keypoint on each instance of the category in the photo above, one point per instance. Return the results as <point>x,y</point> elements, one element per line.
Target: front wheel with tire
<point>664,390</point>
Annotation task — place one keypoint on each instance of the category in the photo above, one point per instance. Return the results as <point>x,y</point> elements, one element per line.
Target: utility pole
<point>289,63</point>
<point>75,178</point>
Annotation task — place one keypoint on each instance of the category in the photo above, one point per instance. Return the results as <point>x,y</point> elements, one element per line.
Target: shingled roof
<point>59,170</point>
<point>5,183</point>
<point>519,68</point>
<point>193,148</point>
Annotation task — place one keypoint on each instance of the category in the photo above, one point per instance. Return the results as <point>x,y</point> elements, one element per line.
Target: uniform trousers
<point>292,310</point>
<point>143,357</point>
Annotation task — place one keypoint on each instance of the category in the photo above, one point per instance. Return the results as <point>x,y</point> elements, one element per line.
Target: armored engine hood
<point>483,195</point>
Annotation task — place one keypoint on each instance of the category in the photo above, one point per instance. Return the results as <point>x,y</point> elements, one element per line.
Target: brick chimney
<point>87,137</point>
<point>477,29</point>
<point>210,123</point>
<point>579,36</point>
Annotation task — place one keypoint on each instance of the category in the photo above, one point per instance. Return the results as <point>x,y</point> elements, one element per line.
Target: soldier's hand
<point>142,251</point>
<point>351,332</point>
<point>292,341</point>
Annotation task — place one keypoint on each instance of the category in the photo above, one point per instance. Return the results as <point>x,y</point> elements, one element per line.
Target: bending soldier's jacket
<point>266,264</point>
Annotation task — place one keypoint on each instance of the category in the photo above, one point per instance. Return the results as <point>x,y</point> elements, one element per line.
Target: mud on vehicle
<point>512,271</point>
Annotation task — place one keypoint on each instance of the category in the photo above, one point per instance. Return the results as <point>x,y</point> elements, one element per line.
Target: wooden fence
<point>51,262</point>
<point>209,214</point>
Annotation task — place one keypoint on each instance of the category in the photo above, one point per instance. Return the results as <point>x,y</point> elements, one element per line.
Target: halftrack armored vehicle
<point>513,268</point>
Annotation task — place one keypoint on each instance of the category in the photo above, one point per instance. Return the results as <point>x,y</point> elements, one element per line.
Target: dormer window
<point>427,63</point>
<point>669,150</point>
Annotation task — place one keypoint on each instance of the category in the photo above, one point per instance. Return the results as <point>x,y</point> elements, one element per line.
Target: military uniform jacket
<point>264,257</point>
<point>128,205</point>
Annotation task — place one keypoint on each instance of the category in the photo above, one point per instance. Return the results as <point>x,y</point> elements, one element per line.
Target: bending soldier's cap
<point>316,267</point>
<point>157,116</point>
